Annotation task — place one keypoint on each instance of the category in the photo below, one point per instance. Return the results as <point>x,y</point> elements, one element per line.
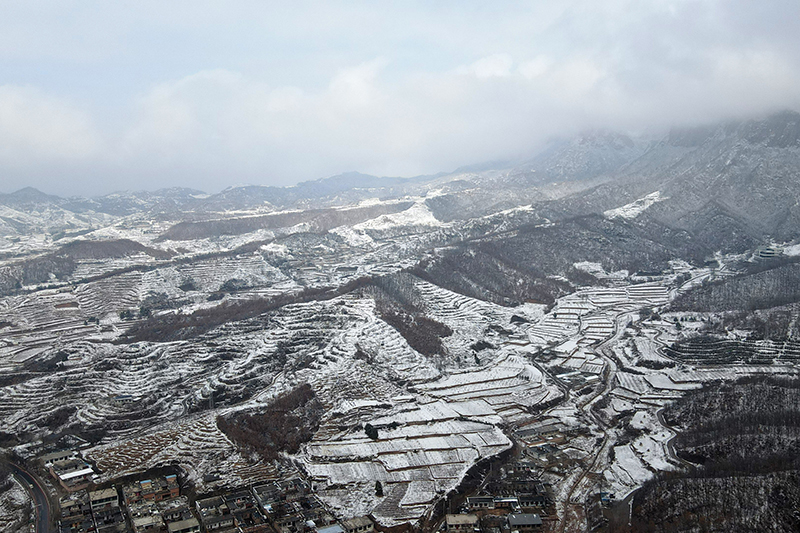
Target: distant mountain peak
<point>352,178</point>
<point>30,193</point>
<point>28,196</point>
<point>585,156</point>
<point>604,138</point>
<point>778,130</point>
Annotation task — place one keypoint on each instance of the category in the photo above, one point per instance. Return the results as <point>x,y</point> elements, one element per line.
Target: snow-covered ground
<point>437,415</point>
<point>635,208</point>
<point>15,506</point>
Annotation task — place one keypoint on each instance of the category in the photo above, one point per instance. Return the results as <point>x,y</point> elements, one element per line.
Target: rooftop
<point>46,458</point>
<point>335,528</point>
<point>77,473</point>
<point>524,519</point>
<point>183,524</point>
<point>462,519</point>
<point>358,521</point>
<point>103,494</point>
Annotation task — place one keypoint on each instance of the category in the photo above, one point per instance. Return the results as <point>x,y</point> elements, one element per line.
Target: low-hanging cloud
<point>37,126</point>
<point>623,65</point>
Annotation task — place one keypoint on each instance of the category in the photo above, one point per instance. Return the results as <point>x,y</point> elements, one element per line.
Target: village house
<point>106,510</point>
<point>291,508</point>
<point>508,502</point>
<point>359,524</point>
<point>215,515</point>
<point>175,510</point>
<point>145,518</point>
<point>287,518</point>
<point>123,399</point>
<point>76,514</point>
<point>461,523</point>
<point>293,488</point>
<point>533,500</point>
<point>333,528</point>
<point>475,503</point>
<point>156,489</point>
<point>72,473</point>
<point>246,514</point>
<point>104,499</point>
<point>60,455</point>
<point>524,521</point>
<point>314,511</point>
<point>266,495</point>
<point>490,523</point>
<point>190,525</point>
<point>549,431</point>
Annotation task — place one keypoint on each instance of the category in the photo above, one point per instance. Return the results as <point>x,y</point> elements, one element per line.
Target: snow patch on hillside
<point>416,215</point>
<point>597,270</point>
<point>636,208</point>
<point>627,472</point>
<point>279,250</point>
<point>353,237</point>
<point>792,250</point>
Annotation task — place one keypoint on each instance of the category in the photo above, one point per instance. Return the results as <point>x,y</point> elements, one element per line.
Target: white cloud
<point>224,120</point>
<point>536,67</point>
<point>494,66</point>
<point>280,94</point>
<point>355,87</point>
<point>575,79</point>
<point>35,126</point>
<point>179,118</point>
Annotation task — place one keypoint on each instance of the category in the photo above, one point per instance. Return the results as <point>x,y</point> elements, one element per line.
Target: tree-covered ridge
<point>744,440</point>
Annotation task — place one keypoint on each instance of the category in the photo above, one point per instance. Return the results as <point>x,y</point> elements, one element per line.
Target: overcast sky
<point>104,96</point>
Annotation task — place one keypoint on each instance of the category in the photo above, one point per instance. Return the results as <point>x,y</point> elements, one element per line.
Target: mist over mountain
<point>736,161</point>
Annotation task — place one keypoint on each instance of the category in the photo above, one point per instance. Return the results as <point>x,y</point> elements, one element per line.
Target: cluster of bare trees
<point>401,305</point>
<point>176,326</point>
<point>287,422</point>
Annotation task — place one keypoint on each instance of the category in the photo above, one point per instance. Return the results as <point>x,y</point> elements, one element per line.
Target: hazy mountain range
<point>734,181</point>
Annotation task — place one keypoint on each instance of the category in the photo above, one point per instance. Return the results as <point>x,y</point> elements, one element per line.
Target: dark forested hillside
<point>400,305</point>
<point>744,438</point>
<point>536,262</point>
<point>777,284</point>
<point>730,185</point>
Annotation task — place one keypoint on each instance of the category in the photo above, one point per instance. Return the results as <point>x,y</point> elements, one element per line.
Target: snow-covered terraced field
<point>508,388</point>
<point>110,295</point>
<point>38,323</point>
<point>645,392</point>
<point>255,360</point>
<point>91,268</point>
<point>211,274</point>
<point>196,444</point>
<point>422,450</point>
<point>151,404</point>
